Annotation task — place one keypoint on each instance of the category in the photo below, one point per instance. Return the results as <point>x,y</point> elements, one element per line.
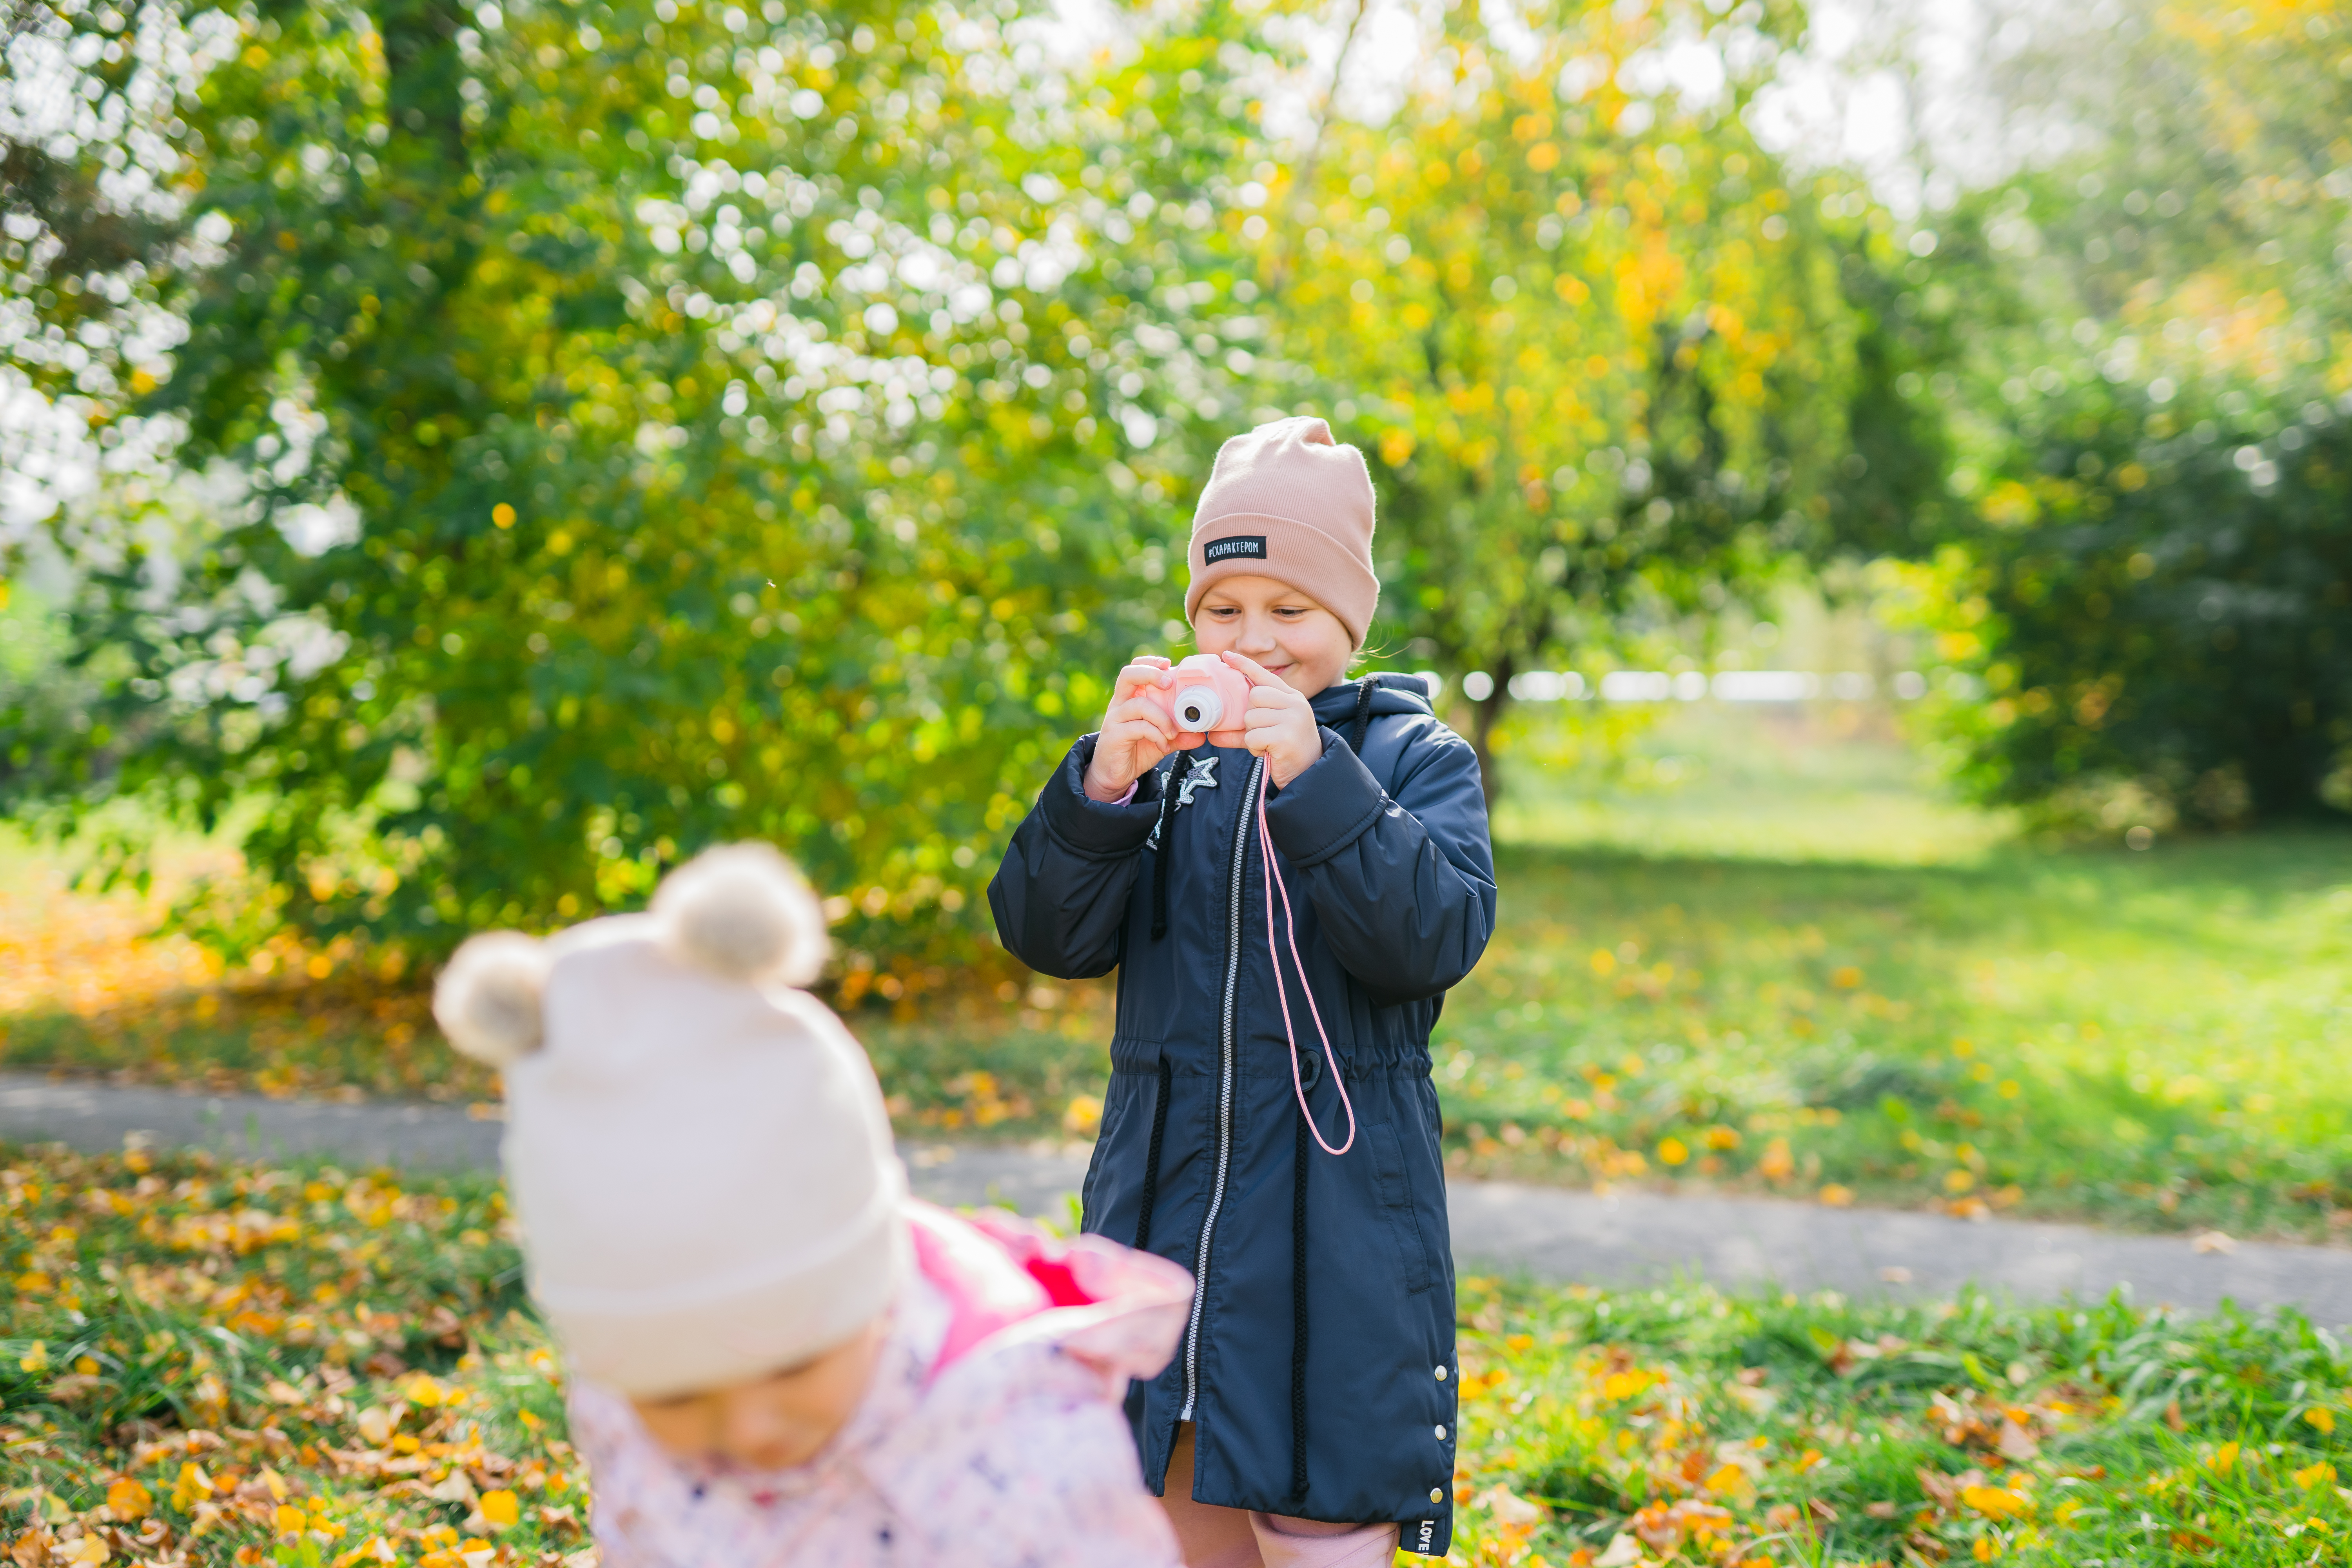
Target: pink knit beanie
<point>1286,501</point>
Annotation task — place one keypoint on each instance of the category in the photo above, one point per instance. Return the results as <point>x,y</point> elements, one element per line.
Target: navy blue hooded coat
<point>1318,1365</point>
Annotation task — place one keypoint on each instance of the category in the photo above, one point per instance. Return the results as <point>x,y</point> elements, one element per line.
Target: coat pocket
<point>1396,1205</point>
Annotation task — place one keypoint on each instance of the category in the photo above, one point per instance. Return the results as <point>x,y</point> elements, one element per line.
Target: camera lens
<point>1198,708</point>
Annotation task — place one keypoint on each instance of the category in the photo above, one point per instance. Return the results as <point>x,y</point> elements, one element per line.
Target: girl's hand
<point>1135,732</point>
<point>1280,725</point>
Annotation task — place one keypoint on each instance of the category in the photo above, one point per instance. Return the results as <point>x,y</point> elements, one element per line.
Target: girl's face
<point>775,1422</point>
<point>1293,637</point>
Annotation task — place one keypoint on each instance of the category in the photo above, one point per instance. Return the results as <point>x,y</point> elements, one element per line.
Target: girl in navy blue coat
<point>1271,1123</point>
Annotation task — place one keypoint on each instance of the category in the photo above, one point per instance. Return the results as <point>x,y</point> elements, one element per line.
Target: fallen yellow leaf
<point>502,1509</point>
<point>1728,1479</point>
<point>190,1489</point>
<point>129,1501</point>
<point>1996,1502</point>
<point>1624,1385</point>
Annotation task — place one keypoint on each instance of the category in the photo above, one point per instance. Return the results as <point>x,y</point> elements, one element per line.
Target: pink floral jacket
<point>990,1437</point>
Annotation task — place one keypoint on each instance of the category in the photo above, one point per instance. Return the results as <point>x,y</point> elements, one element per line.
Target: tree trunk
<point>1483,716</point>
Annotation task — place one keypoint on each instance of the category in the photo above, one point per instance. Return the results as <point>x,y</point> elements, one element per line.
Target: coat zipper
<point>1226,1053</point>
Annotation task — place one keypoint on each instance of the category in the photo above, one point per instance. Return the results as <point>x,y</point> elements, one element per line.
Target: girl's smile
<point>1289,635</point>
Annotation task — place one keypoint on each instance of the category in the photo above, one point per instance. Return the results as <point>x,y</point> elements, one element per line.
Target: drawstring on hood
<point>1159,853</point>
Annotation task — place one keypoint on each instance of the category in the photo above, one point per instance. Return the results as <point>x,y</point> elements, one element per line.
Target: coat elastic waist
<point>1259,1057</point>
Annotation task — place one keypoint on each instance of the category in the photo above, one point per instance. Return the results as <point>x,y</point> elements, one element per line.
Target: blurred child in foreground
<point>776,1356</point>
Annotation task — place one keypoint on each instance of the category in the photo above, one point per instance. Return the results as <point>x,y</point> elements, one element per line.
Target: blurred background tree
<point>1609,353</point>
<point>642,431</point>
<point>2154,449</point>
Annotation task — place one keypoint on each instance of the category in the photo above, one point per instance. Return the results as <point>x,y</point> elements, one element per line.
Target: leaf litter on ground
<point>207,1362</point>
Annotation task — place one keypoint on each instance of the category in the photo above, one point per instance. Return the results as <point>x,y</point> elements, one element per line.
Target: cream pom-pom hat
<point>697,1150</point>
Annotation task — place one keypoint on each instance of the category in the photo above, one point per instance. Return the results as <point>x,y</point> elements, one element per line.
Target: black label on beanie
<point>1233,547</point>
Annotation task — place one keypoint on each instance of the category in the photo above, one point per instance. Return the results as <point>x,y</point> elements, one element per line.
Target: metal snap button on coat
<point>1441,1374</point>
<point>1437,1494</point>
<point>1441,1434</point>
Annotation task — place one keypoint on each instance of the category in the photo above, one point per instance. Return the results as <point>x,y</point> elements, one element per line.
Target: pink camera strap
<point>1273,884</point>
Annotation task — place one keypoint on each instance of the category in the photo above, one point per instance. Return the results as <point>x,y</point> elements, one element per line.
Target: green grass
<point>1803,972</point>
<point>1753,953</point>
<point>216,1362</point>
<point>184,1341</point>
<point>1706,1427</point>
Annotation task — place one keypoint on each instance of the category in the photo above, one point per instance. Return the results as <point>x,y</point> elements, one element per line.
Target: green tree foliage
<point>654,426</point>
<point>1611,356</point>
<point>2168,591</point>
<point>2153,447</point>
<point>580,432</point>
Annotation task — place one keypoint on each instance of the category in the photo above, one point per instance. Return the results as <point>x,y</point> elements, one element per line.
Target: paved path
<point>1543,1233</point>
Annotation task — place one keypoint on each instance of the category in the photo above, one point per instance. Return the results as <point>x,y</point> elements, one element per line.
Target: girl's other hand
<point>1280,725</point>
<point>1135,732</point>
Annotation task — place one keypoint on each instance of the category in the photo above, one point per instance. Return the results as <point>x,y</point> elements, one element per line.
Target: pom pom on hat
<point>488,997</point>
<point>742,911</point>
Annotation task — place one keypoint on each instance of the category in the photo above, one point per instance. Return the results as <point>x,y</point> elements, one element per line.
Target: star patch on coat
<point>1203,776</point>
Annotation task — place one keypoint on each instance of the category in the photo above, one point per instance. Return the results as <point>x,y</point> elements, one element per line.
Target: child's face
<point>1292,636</point>
<point>775,1422</point>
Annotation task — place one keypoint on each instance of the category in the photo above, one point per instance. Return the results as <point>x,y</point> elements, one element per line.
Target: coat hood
<point>1392,691</point>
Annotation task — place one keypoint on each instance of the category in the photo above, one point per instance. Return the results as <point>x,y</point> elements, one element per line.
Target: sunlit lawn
<point>1798,969</point>
<point>86,987</point>
<point>204,1362</point>
<point>1759,955</point>
<point>1683,1426</point>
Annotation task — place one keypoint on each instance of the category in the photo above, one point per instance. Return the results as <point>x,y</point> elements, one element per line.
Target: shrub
<point>2159,602</point>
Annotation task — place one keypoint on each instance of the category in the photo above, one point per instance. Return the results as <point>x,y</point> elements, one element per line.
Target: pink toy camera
<point>1206,696</point>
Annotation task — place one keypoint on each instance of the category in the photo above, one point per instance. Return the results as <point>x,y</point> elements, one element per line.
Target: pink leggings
<point>1214,1537</point>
